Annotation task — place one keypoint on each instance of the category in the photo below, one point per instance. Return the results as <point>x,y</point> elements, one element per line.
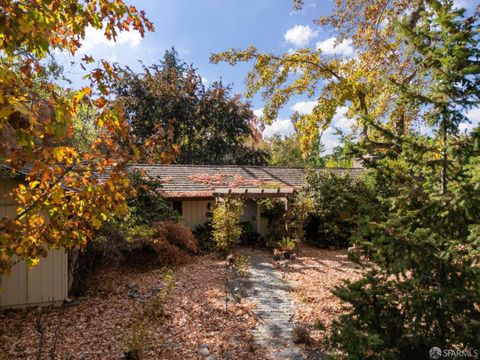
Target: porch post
<point>258,218</point>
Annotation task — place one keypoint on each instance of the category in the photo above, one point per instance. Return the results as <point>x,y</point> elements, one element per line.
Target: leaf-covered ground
<point>102,324</point>
<point>312,276</point>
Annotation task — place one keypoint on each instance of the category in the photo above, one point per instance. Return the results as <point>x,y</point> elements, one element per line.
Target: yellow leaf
<point>96,223</point>
<point>32,262</point>
<point>33,184</point>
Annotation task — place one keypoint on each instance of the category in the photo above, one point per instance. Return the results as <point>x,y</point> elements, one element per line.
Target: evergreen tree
<point>422,283</point>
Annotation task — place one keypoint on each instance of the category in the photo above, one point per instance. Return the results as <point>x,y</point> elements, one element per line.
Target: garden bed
<point>101,324</point>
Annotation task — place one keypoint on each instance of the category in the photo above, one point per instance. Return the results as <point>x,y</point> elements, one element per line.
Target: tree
<point>422,285</point>
<point>286,151</point>
<point>340,204</point>
<point>202,125</point>
<point>226,226</point>
<point>60,203</point>
<point>361,83</point>
<point>417,62</point>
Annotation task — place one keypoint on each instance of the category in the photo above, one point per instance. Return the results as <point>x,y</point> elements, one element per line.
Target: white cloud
<point>340,120</point>
<point>300,35</point>
<point>95,37</point>
<point>304,107</point>
<point>329,139</point>
<point>280,127</point>
<point>329,47</point>
<point>474,116</point>
<point>258,113</point>
<point>204,80</point>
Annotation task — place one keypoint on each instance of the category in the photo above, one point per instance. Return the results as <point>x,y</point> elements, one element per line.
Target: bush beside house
<point>226,224</point>
<point>338,203</point>
<point>150,234</point>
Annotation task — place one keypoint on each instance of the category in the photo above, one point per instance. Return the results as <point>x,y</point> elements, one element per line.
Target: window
<point>177,206</point>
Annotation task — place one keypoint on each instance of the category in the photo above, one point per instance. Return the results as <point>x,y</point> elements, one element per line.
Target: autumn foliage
<point>179,238</point>
<point>67,192</point>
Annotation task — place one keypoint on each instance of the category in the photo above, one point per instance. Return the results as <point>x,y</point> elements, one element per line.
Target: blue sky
<point>198,28</point>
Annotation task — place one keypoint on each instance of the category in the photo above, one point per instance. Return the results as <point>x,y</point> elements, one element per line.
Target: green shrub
<point>274,211</point>
<point>149,206</point>
<point>204,235</point>
<point>301,206</point>
<point>340,204</point>
<point>249,236</point>
<point>226,224</point>
<point>287,244</point>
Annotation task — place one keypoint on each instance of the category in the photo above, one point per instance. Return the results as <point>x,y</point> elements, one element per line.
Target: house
<point>43,285</point>
<point>192,191</point>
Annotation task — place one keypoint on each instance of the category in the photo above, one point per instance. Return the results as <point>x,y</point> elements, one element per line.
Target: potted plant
<point>277,255</point>
<point>286,246</point>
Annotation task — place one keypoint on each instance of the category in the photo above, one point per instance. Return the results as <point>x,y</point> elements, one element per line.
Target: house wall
<point>194,212</point>
<point>250,213</point>
<point>45,284</point>
<point>262,223</point>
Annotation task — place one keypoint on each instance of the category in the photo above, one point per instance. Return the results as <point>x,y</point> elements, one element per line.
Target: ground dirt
<point>101,324</point>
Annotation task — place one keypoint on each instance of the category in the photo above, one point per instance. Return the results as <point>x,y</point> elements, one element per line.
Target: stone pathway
<point>274,308</point>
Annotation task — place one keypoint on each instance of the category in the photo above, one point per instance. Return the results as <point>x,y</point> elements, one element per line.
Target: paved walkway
<point>275,310</point>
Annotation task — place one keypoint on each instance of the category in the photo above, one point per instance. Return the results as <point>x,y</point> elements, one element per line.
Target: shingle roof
<point>190,181</point>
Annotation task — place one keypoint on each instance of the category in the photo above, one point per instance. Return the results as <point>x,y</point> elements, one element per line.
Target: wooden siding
<point>195,212</point>
<point>250,213</point>
<point>45,284</point>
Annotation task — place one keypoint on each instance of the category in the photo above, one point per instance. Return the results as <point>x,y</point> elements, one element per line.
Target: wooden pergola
<point>254,192</point>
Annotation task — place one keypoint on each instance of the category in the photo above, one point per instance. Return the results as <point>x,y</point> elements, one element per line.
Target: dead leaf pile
<point>312,276</point>
<point>101,324</point>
